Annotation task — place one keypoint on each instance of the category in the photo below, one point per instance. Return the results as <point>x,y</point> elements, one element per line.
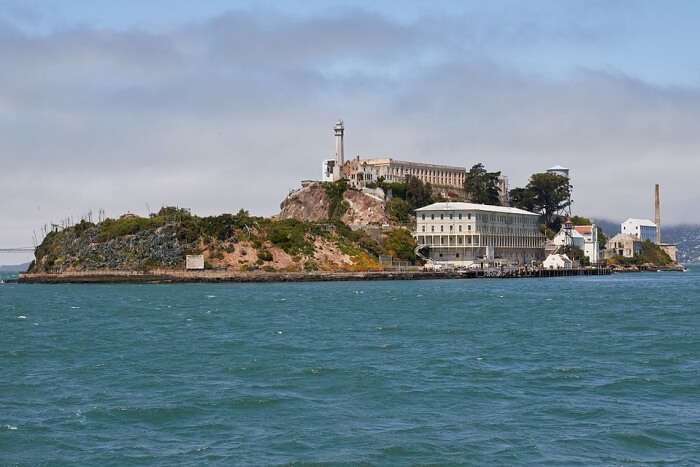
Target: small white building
<point>194,262</point>
<point>583,236</point>
<point>327,170</point>
<point>558,262</point>
<point>643,229</point>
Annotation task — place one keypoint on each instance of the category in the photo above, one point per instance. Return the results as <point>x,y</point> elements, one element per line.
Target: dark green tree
<point>418,194</point>
<point>552,194</point>
<point>522,198</point>
<point>545,193</point>
<point>481,186</point>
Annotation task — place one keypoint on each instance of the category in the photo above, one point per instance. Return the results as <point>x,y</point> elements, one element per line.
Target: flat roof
<point>645,222</point>
<point>460,206</point>
<point>389,160</point>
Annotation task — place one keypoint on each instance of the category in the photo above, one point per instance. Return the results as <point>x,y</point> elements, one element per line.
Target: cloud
<point>231,112</point>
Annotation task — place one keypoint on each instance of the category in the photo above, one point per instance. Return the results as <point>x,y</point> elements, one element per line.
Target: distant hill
<point>15,268</point>
<point>686,236</point>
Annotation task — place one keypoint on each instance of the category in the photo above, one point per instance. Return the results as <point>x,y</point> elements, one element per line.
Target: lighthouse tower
<point>339,151</point>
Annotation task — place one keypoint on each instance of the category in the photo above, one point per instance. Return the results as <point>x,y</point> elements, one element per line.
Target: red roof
<point>584,229</point>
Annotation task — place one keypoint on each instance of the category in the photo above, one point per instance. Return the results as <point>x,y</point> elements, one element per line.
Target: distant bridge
<point>21,249</point>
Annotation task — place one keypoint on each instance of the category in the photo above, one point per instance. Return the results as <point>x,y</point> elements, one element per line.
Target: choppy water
<point>594,370</point>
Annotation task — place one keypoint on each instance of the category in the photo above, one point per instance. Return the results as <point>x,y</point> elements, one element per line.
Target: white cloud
<point>232,112</point>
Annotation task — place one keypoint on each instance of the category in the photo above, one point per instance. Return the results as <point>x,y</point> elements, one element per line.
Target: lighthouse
<point>339,130</point>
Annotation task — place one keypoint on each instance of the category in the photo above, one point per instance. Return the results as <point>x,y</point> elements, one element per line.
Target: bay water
<point>559,371</point>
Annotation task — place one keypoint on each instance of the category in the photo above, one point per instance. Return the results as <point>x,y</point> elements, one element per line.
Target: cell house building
<point>463,234</point>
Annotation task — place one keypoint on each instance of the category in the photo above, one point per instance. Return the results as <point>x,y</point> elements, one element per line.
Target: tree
<point>522,198</point>
<point>400,244</point>
<point>552,194</point>
<point>399,209</point>
<point>545,193</point>
<point>418,194</point>
<point>482,186</point>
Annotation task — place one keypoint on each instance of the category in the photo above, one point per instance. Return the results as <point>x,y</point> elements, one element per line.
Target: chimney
<point>657,214</point>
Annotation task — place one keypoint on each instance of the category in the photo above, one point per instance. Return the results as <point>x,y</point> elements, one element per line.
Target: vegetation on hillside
<point>651,253</point>
<point>401,245</point>
<point>162,240</point>
<point>406,197</point>
<point>334,191</point>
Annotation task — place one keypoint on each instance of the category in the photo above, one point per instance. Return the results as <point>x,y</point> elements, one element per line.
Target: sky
<point>221,105</point>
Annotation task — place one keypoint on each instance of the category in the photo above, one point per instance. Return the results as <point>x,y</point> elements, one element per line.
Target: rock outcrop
<point>311,204</point>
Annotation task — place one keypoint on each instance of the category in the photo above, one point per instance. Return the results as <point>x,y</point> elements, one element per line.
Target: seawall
<point>163,276</point>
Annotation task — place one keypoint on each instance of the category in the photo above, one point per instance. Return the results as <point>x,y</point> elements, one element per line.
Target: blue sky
<point>650,40</point>
<point>219,105</point>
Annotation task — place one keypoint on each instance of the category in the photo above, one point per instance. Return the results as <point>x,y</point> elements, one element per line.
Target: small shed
<point>194,262</point>
<point>558,262</point>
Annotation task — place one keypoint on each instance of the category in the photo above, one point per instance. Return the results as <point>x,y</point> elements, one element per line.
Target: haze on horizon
<point>228,105</point>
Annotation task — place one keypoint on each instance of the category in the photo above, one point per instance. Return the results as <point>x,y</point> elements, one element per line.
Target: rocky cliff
<point>313,204</point>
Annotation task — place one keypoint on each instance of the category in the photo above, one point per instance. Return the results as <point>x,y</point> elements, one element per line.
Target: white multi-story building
<point>643,229</point>
<point>583,236</point>
<point>467,233</point>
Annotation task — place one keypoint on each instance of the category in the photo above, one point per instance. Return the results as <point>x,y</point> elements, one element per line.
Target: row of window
<point>442,216</point>
<point>522,220</point>
<point>442,228</point>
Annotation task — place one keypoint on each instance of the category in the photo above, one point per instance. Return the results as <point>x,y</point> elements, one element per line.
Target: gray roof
<point>459,206</point>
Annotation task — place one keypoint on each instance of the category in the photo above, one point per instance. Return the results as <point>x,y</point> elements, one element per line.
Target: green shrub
<point>400,244</point>
<point>290,235</point>
<point>336,205</point>
<point>269,268</point>
<point>264,254</point>
<point>113,228</point>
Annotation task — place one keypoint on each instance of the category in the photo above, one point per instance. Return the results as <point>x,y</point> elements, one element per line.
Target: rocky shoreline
<point>649,268</point>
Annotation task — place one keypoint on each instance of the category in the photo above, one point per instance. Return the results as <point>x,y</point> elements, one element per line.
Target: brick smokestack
<point>657,214</point>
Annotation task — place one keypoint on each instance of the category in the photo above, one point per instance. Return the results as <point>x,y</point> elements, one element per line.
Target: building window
<point>460,216</point>
<point>451,228</point>
<point>442,216</point>
<point>423,216</point>
<point>457,255</point>
<point>432,216</point>
<point>423,228</point>
<point>469,216</point>
<point>440,255</point>
<point>450,216</point>
<point>460,227</point>
<point>469,227</point>
<point>442,228</point>
<point>432,228</point>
